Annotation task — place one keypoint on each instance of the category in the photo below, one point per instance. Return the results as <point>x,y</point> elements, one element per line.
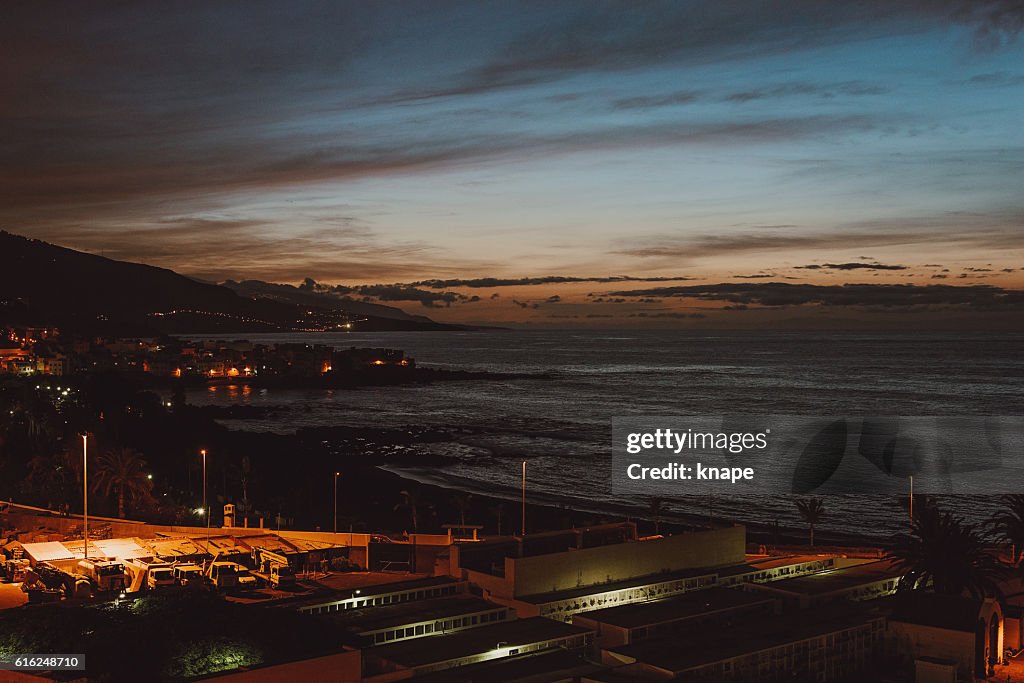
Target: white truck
<point>274,568</point>
<point>188,574</point>
<point>223,574</point>
<point>149,574</point>
<point>106,575</point>
<point>246,580</point>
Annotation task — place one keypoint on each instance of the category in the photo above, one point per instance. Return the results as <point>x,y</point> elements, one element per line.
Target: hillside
<point>41,283</point>
<point>301,297</point>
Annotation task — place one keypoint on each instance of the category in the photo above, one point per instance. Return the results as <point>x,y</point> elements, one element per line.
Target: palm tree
<point>122,471</point>
<point>947,553</point>
<point>1009,523</point>
<point>462,503</point>
<point>410,501</point>
<point>812,510</point>
<point>498,510</point>
<point>655,509</point>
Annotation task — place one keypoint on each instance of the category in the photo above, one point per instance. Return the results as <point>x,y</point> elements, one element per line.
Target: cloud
<point>785,294</point>
<point>122,118</point>
<point>627,35</point>
<point>405,293</point>
<point>652,101</point>
<point>676,315</point>
<point>851,88</point>
<point>489,282</point>
<point>851,266</point>
<point>996,229</point>
<point>1000,79</point>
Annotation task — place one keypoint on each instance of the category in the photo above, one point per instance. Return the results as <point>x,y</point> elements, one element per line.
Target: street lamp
<point>522,527</point>
<point>85,491</point>
<point>336,475</point>
<point>206,507</point>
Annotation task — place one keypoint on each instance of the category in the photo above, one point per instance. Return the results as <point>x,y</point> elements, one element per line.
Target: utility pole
<point>522,527</point>
<point>85,492</point>
<point>206,505</point>
<point>911,503</point>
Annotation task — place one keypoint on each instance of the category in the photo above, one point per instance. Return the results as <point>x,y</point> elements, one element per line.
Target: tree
<point>947,554</point>
<point>812,510</point>
<point>498,510</point>
<point>1009,523</point>
<point>410,501</point>
<point>122,472</point>
<point>655,509</point>
<point>462,502</point>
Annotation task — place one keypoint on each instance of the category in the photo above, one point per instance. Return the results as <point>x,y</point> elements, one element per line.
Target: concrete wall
<point>914,641</point>
<point>604,564</point>
<point>608,635</point>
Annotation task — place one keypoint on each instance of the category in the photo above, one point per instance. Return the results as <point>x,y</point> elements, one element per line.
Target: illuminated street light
<point>522,528</point>
<point>206,506</point>
<point>85,492</point>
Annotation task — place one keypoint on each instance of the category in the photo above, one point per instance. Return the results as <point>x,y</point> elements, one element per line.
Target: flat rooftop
<point>708,647</point>
<point>344,586</point>
<point>635,582</point>
<point>533,667</point>
<point>759,563</point>
<point>836,580</point>
<point>694,603</point>
<point>385,616</point>
<point>432,649</point>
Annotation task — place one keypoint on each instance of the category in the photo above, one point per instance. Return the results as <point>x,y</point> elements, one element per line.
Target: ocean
<point>562,424</point>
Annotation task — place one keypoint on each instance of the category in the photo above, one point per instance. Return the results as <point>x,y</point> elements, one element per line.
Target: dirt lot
<point>11,595</point>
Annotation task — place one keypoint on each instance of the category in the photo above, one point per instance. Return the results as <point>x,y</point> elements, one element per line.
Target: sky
<point>383,145</point>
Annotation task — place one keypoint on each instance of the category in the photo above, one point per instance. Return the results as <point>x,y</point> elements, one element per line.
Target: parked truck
<point>188,574</point>
<point>105,575</point>
<point>246,579</point>
<point>274,568</point>
<point>223,575</point>
<point>148,574</point>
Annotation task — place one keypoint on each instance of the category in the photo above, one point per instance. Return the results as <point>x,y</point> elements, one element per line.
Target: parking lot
<point>11,595</point>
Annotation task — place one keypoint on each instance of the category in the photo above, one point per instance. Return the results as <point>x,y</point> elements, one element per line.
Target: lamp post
<point>522,526</point>
<point>85,492</point>
<point>336,475</point>
<point>911,503</point>
<point>206,505</point>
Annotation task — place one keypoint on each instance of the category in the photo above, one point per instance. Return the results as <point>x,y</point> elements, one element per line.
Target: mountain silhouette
<point>42,283</point>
